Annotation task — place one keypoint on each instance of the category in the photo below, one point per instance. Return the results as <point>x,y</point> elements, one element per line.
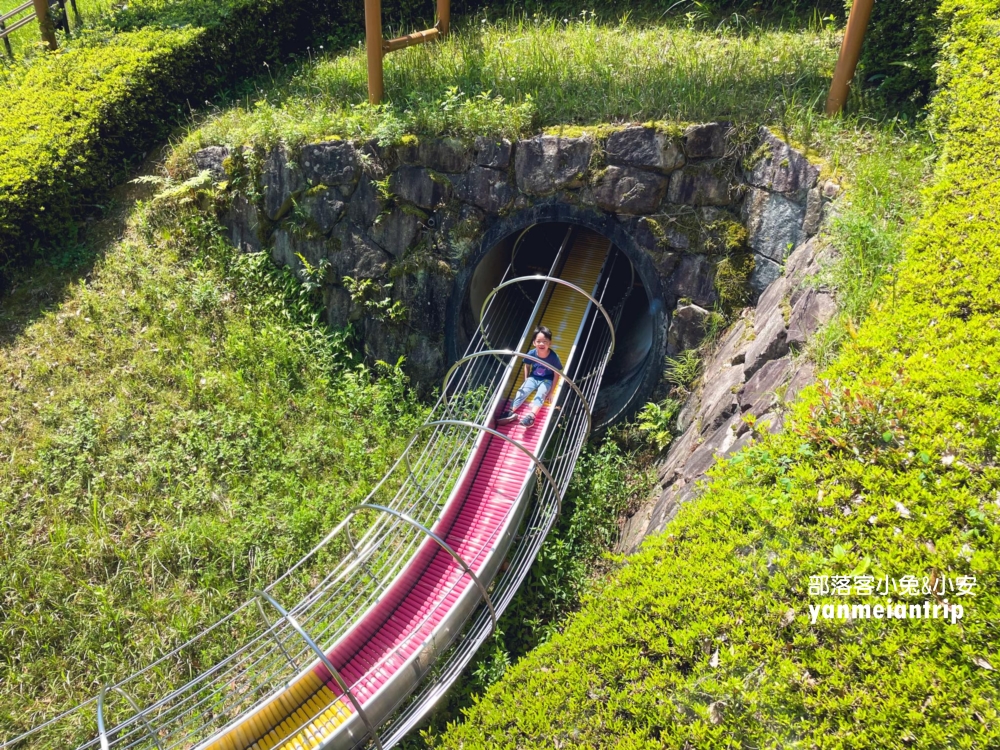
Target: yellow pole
<point>444,15</point>
<point>45,24</point>
<point>373,43</point>
<point>850,51</point>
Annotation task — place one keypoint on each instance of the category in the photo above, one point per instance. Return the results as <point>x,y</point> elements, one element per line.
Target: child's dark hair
<point>544,331</point>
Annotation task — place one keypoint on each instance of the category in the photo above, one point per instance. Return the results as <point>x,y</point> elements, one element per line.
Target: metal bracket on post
<point>102,730</point>
<point>270,627</point>
<point>287,617</point>
<point>377,47</point>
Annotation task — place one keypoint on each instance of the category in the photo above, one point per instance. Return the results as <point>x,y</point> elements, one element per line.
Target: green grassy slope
<point>174,432</point>
<point>71,122</point>
<point>889,469</point>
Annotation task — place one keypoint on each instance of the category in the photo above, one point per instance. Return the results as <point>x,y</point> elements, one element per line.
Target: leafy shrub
<point>868,420</point>
<point>732,281</point>
<point>704,638</point>
<point>900,49</point>
<point>657,421</point>
<point>64,128</point>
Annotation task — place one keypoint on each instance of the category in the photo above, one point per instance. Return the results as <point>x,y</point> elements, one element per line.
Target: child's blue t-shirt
<point>541,372</point>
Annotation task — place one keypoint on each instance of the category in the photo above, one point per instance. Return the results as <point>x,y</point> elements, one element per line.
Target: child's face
<point>542,344</point>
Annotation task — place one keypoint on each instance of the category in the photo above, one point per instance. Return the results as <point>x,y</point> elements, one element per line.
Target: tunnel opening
<point>633,369</point>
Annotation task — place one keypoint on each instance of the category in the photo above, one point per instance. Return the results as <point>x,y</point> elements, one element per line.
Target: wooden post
<point>6,42</point>
<point>76,15</point>
<point>45,24</point>
<point>850,51</point>
<point>444,15</point>
<point>373,43</point>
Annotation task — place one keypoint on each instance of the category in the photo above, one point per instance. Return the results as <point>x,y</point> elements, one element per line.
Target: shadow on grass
<point>29,292</point>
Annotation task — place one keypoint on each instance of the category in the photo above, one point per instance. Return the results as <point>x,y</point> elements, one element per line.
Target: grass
<point>175,430</point>
<point>509,77</point>
<point>883,169</point>
<point>513,77</point>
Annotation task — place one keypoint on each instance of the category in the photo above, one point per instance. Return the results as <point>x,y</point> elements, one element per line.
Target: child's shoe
<point>507,417</point>
<point>527,420</point>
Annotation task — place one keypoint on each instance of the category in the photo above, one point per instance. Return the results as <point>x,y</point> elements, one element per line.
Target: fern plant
<point>657,421</point>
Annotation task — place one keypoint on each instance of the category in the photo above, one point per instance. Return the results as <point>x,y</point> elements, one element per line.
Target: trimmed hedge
<point>889,467</point>
<point>70,127</point>
<point>66,128</point>
<point>78,116</point>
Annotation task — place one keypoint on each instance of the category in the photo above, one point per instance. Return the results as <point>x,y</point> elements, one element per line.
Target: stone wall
<point>407,224</point>
<point>749,378</point>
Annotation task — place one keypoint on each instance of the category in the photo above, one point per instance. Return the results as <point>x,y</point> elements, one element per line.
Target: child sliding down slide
<point>537,378</point>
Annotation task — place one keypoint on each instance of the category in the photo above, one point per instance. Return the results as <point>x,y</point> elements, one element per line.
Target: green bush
<point>704,639</point>
<point>682,370</point>
<point>72,123</point>
<point>900,48</point>
<point>68,125</point>
<point>658,421</point>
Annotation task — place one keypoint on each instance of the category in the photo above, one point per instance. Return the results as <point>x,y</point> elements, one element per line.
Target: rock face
<point>707,141</point>
<point>748,379</point>
<point>700,185</point>
<point>627,190</point>
<point>780,169</point>
<point>784,206</point>
<point>687,328</point>
<point>548,163</point>
<point>212,159</point>
<point>486,188</point>
<point>334,164</point>
<point>410,219</point>
<point>492,153</point>
<point>644,148</point>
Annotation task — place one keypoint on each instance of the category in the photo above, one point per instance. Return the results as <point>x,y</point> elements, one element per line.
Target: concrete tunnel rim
<point>597,221</point>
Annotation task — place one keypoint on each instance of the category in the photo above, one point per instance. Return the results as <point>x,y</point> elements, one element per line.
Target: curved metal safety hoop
<point>483,428</point>
<point>102,731</point>
<point>522,355</point>
<point>554,280</point>
<point>326,663</point>
<point>441,543</point>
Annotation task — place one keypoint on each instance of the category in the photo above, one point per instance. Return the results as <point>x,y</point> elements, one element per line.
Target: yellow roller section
<point>305,701</point>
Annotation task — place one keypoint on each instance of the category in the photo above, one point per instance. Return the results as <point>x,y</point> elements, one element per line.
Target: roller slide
<point>421,570</point>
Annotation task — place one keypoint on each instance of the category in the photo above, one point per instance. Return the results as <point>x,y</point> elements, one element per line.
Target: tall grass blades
<point>513,75</point>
